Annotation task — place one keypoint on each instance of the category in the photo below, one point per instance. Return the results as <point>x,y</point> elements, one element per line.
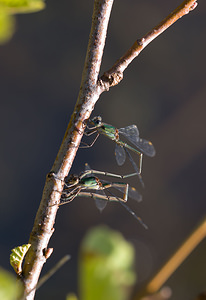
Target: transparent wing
<point>120,155</point>
<point>131,212</point>
<point>99,197</point>
<point>132,134</point>
<point>146,147</point>
<point>100,204</point>
<point>132,193</point>
<point>86,168</point>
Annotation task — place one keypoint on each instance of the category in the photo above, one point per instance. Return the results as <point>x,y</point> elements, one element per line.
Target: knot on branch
<point>111,79</point>
<point>47,252</point>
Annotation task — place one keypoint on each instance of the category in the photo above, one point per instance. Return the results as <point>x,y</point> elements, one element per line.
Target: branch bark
<point>90,90</point>
<point>88,95</point>
<point>114,75</point>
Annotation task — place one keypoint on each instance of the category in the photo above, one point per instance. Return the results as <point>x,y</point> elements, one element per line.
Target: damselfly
<point>89,185</point>
<point>131,133</point>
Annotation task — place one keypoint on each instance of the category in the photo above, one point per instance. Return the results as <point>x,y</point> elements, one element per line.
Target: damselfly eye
<point>97,120</point>
<point>72,179</point>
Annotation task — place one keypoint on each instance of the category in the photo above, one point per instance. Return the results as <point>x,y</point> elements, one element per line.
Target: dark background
<point>163,93</point>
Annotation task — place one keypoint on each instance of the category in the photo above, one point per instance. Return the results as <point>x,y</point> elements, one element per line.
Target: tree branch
<point>114,75</point>
<point>89,93</point>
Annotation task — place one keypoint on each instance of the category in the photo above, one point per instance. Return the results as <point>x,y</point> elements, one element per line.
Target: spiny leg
<point>99,196</point>
<point>123,185</point>
<point>90,171</point>
<point>138,170</point>
<point>93,142</point>
<point>70,196</point>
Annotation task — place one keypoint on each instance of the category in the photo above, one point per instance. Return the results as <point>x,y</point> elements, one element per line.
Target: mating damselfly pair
<point>87,184</point>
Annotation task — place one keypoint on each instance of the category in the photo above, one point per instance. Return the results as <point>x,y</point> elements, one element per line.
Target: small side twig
<point>46,277</point>
<point>114,75</point>
<point>53,270</point>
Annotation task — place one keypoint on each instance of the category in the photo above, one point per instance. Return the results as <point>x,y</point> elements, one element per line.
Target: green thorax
<point>109,130</point>
<point>89,182</point>
<point>113,133</point>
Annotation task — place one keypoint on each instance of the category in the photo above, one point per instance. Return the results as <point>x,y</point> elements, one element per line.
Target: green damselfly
<point>131,133</point>
<point>87,184</point>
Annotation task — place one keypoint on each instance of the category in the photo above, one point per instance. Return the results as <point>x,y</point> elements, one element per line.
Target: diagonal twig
<point>114,75</point>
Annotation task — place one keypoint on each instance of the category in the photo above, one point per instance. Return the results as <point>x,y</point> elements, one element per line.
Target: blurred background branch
<point>156,283</point>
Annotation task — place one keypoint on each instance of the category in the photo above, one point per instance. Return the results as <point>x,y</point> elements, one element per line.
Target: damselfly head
<point>97,121</point>
<point>72,180</point>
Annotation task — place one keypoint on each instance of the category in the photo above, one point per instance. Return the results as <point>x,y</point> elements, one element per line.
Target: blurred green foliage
<point>106,266</point>
<point>10,7</point>
<point>7,27</point>
<point>10,288</point>
<point>71,297</point>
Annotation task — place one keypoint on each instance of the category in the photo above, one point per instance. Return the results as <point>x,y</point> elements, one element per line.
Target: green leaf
<point>10,289</point>
<point>7,27</point>
<point>71,296</point>
<point>21,6</point>
<point>106,266</point>
<point>9,7</point>
<point>17,256</point>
